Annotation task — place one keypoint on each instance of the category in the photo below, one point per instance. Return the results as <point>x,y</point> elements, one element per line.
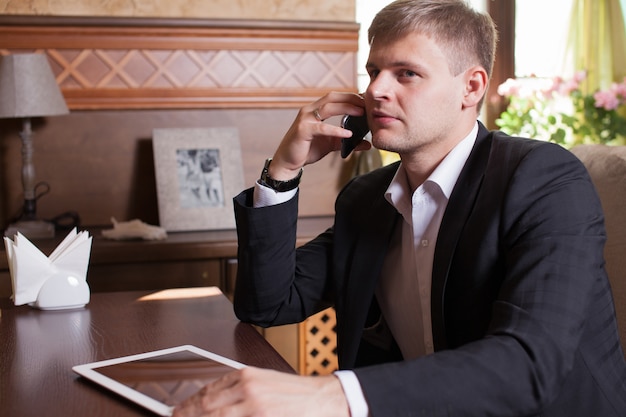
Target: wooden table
<point>39,348</point>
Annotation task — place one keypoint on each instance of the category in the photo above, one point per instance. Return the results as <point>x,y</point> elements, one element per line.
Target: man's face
<point>413,101</point>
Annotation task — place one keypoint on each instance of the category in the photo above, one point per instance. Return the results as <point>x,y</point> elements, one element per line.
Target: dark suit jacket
<point>522,313</point>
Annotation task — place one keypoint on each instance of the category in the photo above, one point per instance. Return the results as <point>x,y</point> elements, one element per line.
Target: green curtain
<point>597,42</point>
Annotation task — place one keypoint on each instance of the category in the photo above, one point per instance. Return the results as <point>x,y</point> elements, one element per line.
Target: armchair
<point>607,167</point>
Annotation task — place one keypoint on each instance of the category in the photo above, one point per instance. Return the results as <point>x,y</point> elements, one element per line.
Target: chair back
<point>607,168</point>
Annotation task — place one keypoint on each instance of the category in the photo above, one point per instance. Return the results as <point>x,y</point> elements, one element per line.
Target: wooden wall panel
<point>326,10</point>
<point>148,63</point>
<point>124,77</point>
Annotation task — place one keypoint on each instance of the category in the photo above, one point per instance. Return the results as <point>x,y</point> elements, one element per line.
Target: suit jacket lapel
<point>455,217</point>
<point>377,225</point>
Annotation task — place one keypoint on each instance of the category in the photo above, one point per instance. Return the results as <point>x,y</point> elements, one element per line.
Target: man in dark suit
<point>468,279</point>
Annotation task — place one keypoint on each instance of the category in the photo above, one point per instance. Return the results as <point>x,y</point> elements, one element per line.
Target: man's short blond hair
<point>467,36</point>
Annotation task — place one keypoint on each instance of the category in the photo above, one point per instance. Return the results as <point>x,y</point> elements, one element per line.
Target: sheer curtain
<point>597,42</point>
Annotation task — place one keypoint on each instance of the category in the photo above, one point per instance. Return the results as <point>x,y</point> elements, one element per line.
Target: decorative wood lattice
<point>175,69</point>
<point>319,344</point>
<point>150,64</point>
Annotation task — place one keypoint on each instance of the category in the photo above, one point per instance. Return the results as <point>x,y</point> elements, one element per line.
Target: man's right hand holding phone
<point>309,139</point>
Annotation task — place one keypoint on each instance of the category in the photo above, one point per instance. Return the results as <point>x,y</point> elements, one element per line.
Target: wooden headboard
<point>123,77</point>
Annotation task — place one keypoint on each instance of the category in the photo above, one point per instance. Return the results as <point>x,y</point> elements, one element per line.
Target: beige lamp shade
<point>28,87</point>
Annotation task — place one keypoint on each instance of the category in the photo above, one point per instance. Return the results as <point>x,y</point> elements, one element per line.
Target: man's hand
<point>264,393</point>
<point>309,139</point>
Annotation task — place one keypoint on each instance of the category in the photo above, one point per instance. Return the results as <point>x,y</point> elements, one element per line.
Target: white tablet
<point>161,379</point>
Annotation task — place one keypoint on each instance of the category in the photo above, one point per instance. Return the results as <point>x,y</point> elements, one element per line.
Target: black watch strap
<point>276,185</point>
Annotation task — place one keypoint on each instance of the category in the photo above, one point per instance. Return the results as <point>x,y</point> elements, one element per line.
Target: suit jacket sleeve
<point>267,292</point>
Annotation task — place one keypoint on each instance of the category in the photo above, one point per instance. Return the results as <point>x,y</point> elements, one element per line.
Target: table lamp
<point>28,89</point>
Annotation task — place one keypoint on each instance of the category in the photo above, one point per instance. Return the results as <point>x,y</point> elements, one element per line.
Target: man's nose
<point>379,88</point>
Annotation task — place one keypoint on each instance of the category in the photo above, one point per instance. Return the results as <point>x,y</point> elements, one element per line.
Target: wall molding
<point>131,63</point>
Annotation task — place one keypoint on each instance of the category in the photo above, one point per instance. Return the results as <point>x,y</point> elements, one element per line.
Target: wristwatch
<point>276,185</point>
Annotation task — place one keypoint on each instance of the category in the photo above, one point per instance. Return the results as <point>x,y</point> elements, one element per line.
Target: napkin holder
<point>50,283</point>
<point>63,290</point>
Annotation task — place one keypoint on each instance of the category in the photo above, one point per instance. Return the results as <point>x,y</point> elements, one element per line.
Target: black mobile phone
<point>359,128</point>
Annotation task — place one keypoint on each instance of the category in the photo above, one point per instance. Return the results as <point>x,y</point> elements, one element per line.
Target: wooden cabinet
<point>184,259</point>
<point>181,260</point>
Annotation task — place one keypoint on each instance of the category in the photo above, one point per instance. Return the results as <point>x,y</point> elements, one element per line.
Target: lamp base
<point>32,229</point>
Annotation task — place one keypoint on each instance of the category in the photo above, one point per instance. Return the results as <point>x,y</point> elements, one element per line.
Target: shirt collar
<point>445,174</point>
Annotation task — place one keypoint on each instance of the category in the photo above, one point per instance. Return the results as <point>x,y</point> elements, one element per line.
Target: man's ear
<point>476,81</point>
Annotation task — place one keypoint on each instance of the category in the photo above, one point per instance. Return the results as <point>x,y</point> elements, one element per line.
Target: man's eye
<point>408,73</point>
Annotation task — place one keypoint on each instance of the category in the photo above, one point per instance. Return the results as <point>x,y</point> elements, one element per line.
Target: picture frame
<point>198,172</point>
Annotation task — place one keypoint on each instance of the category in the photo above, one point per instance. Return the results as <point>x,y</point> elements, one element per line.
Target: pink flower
<point>580,76</point>
<point>620,89</point>
<point>545,106</point>
<point>555,87</point>
<point>606,99</point>
<point>509,88</point>
<point>569,86</point>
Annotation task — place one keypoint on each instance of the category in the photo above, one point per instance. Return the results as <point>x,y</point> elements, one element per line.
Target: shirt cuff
<point>354,394</point>
<point>265,196</point>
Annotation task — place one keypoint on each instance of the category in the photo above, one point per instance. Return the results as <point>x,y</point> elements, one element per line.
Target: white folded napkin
<point>30,269</point>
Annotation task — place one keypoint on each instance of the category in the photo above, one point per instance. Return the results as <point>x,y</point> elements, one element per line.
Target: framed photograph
<point>198,172</point>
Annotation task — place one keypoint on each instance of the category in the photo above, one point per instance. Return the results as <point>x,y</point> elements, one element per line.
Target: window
<point>365,12</point>
<point>541,29</point>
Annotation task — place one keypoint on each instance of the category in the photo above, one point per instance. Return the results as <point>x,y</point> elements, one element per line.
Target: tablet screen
<point>162,379</point>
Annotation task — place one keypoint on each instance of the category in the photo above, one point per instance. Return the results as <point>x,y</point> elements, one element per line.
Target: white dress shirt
<point>404,288</point>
